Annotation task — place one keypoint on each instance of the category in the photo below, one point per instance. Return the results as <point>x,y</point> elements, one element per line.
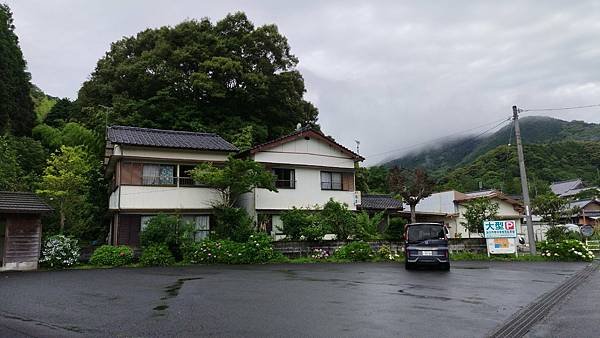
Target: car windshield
<point>418,233</point>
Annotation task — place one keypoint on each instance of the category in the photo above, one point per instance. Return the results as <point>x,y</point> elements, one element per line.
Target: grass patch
<point>469,256</point>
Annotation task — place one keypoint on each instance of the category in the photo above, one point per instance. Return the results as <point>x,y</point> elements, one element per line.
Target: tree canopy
<point>200,76</point>
<point>477,211</point>
<point>16,106</point>
<point>410,186</point>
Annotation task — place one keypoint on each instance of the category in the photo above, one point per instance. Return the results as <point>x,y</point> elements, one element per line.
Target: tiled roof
<point>22,202</point>
<point>560,188</point>
<point>380,202</point>
<point>304,131</point>
<point>168,139</point>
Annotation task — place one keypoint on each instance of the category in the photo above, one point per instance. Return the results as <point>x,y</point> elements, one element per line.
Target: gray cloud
<point>388,73</point>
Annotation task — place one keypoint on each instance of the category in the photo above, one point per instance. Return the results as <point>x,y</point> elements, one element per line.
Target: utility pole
<point>524,185</point>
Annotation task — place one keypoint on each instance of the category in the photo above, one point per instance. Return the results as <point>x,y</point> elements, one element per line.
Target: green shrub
<point>295,221</point>
<point>367,227</point>
<point>355,251</point>
<point>109,255</point>
<point>385,252</point>
<point>314,231</point>
<point>157,255</point>
<point>569,250</point>
<point>169,230</point>
<point>60,251</point>
<point>337,219</point>
<point>233,223</point>
<point>395,229</point>
<point>258,249</point>
<point>561,233</point>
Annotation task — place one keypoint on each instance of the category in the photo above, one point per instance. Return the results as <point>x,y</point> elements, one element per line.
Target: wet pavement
<point>370,299</point>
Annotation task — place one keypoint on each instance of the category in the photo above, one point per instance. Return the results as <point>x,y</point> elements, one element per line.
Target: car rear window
<point>418,233</point>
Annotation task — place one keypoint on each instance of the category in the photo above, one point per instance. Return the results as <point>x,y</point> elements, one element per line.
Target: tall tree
<point>410,186</point>
<point>203,77</point>
<point>477,211</point>
<point>16,106</point>
<point>553,209</point>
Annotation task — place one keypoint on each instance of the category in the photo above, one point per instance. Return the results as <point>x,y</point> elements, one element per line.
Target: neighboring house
<point>20,230</point>
<point>149,173</point>
<point>570,188</point>
<point>311,168</point>
<point>448,207</point>
<point>375,203</point>
<point>589,212</point>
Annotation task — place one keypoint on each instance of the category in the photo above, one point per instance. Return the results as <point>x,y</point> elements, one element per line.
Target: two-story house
<point>311,168</point>
<point>149,172</point>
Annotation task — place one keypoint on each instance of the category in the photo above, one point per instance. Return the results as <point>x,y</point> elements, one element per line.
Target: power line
<point>497,123</point>
<point>560,108</point>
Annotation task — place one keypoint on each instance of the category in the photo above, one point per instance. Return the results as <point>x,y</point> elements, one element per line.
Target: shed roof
<point>380,202</point>
<point>22,202</point>
<point>560,188</point>
<point>168,139</point>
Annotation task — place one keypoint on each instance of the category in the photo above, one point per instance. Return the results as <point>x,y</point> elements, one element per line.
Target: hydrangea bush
<point>569,249</point>
<point>109,255</point>
<point>258,249</point>
<point>385,252</point>
<point>60,251</point>
<point>319,254</point>
<point>355,251</point>
<point>157,255</point>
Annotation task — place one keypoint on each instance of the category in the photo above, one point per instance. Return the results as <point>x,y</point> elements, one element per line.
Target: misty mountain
<point>455,152</point>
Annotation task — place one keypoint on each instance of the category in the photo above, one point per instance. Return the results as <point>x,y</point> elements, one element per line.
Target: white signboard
<point>501,237</point>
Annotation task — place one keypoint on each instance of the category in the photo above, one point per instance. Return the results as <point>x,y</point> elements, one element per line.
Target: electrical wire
<point>560,108</point>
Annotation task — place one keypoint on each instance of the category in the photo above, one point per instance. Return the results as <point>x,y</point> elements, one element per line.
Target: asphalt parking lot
<point>371,299</point>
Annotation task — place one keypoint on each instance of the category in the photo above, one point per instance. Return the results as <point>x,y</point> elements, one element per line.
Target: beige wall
<point>505,212</point>
<point>310,152</point>
<point>169,154</point>
<point>157,197</point>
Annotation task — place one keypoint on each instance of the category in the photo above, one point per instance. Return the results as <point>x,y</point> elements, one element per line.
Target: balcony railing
<point>171,181</point>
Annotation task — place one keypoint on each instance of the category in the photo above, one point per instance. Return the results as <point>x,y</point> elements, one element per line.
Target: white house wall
<point>310,152</point>
<point>172,154</point>
<point>307,194</point>
<point>505,212</point>
<point>156,197</point>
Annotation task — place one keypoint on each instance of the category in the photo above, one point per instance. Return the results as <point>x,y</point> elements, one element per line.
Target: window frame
<point>156,181</point>
<point>292,179</point>
<point>331,182</point>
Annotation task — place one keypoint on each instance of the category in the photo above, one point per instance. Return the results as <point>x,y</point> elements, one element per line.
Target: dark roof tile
<point>168,139</point>
<point>380,202</point>
<point>22,202</point>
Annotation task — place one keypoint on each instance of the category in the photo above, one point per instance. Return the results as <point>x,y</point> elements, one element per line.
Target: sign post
<point>501,237</point>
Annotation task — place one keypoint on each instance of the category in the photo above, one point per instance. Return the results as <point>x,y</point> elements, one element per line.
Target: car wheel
<point>445,266</point>
<point>408,266</point>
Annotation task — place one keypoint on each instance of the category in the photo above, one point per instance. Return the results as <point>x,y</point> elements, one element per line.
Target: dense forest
<point>229,77</point>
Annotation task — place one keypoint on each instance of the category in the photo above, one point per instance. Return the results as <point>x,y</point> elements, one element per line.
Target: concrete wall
<point>307,194</point>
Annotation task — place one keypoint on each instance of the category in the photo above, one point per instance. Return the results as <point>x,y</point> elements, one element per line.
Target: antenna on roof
<point>357,146</point>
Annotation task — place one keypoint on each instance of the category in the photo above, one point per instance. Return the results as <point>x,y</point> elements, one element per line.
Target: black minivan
<point>426,244</point>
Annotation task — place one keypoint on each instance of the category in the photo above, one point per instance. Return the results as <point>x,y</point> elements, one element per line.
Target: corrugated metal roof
<point>168,139</point>
<point>22,202</point>
<point>380,202</point>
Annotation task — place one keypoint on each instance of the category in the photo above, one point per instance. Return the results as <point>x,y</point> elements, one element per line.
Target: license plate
<point>427,253</point>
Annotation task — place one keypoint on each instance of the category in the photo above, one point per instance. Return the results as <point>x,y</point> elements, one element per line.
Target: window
<point>201,225</point>
<point>286,178</point>
<point>331,180</point>
<point>158,174</point>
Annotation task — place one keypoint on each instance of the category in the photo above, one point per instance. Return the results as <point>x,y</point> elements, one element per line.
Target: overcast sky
<point>388,73</point>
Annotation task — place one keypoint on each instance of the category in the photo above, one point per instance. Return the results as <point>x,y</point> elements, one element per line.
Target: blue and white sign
<point>500,229</point>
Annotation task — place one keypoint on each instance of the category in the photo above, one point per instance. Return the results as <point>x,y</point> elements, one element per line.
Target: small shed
<point>20,230</point>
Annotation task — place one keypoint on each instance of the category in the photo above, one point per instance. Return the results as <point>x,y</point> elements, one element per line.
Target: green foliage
<point>300,222</point>
<point>337,219</point>
<point>355,251</point>
<point>168,230</point>
<point>60,251</point>
<point>569,250</point>
<point>71,134</point>
<point>157,255</point>
<point>552,208</point>
<point>42,103</point>
<point>199,75</point>
<point>108,255</point>
<point>372,179</point>
<point>395,230</point>
<point>258,249</point>
<point>367,228</point>
<point>236,177</point>
<point>10,171</point>
<point>560,233</point>
<point>62,112</point>
<point>17,114</point>
<point>66,185</point>
<point>477,211</point>
<point>233,223</point>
